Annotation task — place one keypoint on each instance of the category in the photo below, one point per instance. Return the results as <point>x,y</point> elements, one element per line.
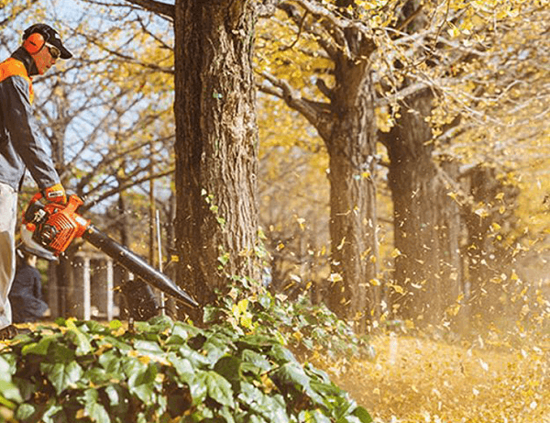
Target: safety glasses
<point>54,51</point>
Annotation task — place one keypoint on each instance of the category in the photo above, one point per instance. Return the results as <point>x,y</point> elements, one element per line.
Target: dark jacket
<point>21,143</point>
<point>26,295</point>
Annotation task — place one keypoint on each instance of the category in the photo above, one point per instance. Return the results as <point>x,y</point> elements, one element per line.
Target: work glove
<point>55,194</point>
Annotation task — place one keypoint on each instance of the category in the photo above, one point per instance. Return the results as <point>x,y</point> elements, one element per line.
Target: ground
<point>417,379</point>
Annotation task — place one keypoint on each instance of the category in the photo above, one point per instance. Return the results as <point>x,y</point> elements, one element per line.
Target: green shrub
<point>299,324</point>
<point>163,371</point>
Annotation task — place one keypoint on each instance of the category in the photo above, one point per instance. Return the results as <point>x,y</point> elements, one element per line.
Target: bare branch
<point>156,7</point>
<point>317,113</point>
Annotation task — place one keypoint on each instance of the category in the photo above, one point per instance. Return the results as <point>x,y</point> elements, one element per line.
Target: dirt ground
<point>416,379</point>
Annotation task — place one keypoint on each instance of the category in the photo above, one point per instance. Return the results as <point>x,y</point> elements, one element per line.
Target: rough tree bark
<point>216,144</point>
<point>426,219</point>
<point>347,125</point>
<point>351,145</point>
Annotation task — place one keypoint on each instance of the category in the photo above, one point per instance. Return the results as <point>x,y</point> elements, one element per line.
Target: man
<point>26,290</point>
<point>22,146</point>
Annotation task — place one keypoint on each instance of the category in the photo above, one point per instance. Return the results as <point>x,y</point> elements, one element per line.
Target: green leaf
<point>230,368</point>
<point>183,367</point>
<point>150,349</point>
<point>348,419</point>
<point>62,376</point>
<point>9,391</point>
<point>219,389</point>
<point>255,362</point>
<point>282,354</point>
<point>98,376</point>
<point>141,384</point>
<point>216,347</point>
<point>115,324</point>
<point>112,363</point>
<point>198,388</point>
<point>5,373</point>
<point>98,413</point>
<point>197,359</point>
<point>313,416</point>
<point>272,408</point>
<point>51,411</point>
<point>24,411</point>
<point>363,415</point>
<point>80,339</point>
<point>291,373</point>
<point>38,348</point>
<point>113,394</point>
<point>132,366</point>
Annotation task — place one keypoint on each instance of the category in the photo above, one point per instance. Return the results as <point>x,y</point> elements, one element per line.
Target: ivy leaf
<point>111,362</point>
<point>62,376</point>
<point>9,391</point>
<point>292,374</point>
<point>254,362</point>
<point>363,415</point>
<point>98,413</point>
<point>230,368</point>
<point>272,408</point>
<point>314,416</point>
<point>24,412</point>
<point>38,348</point>
<point>216,386</point>
<point>80,339</point>
<point>52,408</point>
<point>141,383</point>
<point>183,366</point>
<point>197,388</point>
<point>282,354</point>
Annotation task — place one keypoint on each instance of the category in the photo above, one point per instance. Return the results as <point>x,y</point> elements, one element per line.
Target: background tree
<point>344,118</point>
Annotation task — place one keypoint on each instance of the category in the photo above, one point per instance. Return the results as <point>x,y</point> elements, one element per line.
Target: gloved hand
<point>55,194</point>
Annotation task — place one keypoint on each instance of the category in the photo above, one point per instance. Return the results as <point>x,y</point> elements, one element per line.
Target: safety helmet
<point>39,35</point>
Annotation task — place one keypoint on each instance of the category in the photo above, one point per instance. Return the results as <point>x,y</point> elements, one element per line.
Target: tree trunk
<point>488,257</point>
<point>351,147</point>
<point>216,144</point>
<point>425,218</point>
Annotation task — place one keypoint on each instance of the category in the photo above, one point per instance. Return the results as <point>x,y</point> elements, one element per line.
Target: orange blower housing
<point>54,226</point>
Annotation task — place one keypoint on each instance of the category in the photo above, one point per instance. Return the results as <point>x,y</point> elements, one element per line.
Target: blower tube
<point>136,265</point>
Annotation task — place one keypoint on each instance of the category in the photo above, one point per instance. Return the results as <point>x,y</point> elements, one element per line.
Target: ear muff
<point>34,43</point>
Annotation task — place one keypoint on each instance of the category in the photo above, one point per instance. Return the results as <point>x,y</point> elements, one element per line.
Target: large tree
<point>345,120</point>
<point>216,142</point>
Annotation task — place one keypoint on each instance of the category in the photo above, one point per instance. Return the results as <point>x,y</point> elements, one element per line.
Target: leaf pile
<point>419,379</point>
<point>163,371</point>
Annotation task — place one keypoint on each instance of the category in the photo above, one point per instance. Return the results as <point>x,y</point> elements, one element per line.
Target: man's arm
<point>25,136</point>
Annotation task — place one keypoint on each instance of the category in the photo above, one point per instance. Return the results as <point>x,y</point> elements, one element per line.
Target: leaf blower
<point>51,227</point>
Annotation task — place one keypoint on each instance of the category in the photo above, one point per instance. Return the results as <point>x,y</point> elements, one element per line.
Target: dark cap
<point>50,35</point>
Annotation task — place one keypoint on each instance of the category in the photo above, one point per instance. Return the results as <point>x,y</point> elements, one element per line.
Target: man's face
<point>44,60</point>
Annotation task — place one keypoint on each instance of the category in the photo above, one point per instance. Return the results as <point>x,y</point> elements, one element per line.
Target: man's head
<point>42,42</point>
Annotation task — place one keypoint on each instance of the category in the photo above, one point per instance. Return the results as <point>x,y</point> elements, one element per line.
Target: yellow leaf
<point>481,212</point>
<point>335,277</point>
<point>395,253</point>
<point>341,244</point>
<point>398,289</point>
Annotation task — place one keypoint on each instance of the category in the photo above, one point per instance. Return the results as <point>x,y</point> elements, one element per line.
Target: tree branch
<point>316,113</point>
<point>156,7</point>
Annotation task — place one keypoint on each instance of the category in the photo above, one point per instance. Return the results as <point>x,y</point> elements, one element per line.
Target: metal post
<point>87,297</point>
<point>162,305</point>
